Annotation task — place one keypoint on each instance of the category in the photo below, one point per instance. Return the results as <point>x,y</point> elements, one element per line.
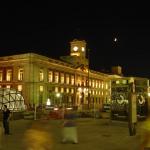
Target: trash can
<point>69,131</point>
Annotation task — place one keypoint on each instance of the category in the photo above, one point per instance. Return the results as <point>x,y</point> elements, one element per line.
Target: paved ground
<point>95,134</point>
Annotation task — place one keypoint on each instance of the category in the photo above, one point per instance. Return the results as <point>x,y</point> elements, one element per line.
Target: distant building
<point>67,82</point>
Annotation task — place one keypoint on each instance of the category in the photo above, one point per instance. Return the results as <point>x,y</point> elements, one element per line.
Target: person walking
<point>6,118</point>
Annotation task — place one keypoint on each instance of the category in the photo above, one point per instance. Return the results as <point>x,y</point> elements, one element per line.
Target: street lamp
<point>58,95</point>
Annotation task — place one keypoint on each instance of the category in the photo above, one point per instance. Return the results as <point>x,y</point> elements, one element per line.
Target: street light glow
<point>48,103</point>
<point>58,95</point>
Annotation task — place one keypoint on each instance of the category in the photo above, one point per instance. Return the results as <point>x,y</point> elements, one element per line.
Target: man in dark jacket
<point>6,117</point>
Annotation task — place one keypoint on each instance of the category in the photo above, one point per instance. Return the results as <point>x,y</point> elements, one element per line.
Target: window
<point>19,87</point>
<point>96,92</point>
<point>56,77</point>
<point>93,83</point>
<point>79,81</point>
<point>56,89</point>
<point>9,75</point>
<point>67,90</point>
<point>72,80</point>
<point>41,88</point>
<point>67,79</point>
<point>50,76</point>
<point>20,74</point>
<point>62,90</point>
<point>106,86</point>
<point>89,82</point>
<point>62,78</point>
<point>102,85</point>
<point>96,84</point>
<point>93,92</point>
<point>41,75</point>
<point>99,84</point>
<point>8,86</point>
<point>1,75</point>
<point>72,91</point>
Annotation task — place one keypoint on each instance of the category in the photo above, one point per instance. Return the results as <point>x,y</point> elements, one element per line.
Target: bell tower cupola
<point>78,48</point>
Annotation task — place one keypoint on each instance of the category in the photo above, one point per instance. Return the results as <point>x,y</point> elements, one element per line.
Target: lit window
<point>96,92</point>
<point>19,87</point>
<point>20,74</point>
<point>96,84</point>
<point>72,91</point>
<point>56,89</point>
<point>62,90</point>
<point>99,84</point>
<point>62,78</point>
<point>80,89</point>
<point>79,80</point>
<point>83,49</point>
<point>8,86</point>
<point>41,88</point>
<point>117,82</point>
<point>41,75</point>
<point>1,75</point>
<point>102,85</point>
<point>72,80</point>
<point>124,81</point>
<point>67,90</point>
<point>90,82</point>
<point>56,77</point>
<point>106,86</point>
<point>50,76</point>
<point>93,92</point>
<point>93,83</point>
<point>102,93</point>
<point>99,92</point>
<point>67,79</point>
<point>9,75</point>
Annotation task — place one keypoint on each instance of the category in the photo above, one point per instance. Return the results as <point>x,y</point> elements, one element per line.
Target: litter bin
<point>69,132</point>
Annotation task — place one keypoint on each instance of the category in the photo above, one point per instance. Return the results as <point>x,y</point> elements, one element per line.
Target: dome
<point>12,98</point>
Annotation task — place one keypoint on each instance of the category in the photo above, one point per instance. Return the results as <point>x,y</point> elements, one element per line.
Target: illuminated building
<point>120,92</point>
<point>40,78</point>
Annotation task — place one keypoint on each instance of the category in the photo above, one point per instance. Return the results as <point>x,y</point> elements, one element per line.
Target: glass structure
<point>12,98</point>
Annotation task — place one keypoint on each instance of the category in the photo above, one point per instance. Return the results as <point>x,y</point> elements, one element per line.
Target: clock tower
<point>77,55</point>
<point>78,48</point>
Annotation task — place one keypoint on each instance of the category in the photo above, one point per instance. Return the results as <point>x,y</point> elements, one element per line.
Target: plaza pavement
<point>93,134</point>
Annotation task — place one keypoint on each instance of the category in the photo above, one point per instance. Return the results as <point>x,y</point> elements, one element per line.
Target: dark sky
<point>48,30</point>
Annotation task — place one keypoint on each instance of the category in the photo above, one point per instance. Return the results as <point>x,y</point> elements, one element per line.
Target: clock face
<point>75,48</point>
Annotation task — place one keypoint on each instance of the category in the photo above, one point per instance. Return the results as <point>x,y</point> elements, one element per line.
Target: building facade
<point>68,82</point>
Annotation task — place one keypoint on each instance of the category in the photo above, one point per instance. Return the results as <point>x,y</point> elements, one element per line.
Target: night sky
<point>48,30</point>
